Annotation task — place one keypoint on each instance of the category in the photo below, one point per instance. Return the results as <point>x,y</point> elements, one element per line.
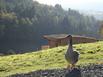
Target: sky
<point>87,5</point>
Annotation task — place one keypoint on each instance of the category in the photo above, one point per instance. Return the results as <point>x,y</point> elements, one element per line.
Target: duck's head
<point>70,39</point>
<point>70,36</point>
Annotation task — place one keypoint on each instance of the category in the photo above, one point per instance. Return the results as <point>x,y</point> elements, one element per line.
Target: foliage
<point>29,20</point>
<point>101,29</point>
<point>50,58</point>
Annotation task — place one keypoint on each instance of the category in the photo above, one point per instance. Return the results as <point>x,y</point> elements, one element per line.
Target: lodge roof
<point>56,36</point>
<point>61,36</point>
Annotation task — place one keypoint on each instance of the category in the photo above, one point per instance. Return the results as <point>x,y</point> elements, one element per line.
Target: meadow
<point>90,53</point>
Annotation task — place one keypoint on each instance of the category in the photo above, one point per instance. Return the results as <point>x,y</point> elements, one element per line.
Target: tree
<point>101,30</point>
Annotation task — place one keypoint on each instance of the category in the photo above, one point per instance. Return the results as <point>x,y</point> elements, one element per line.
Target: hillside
<point>50,59</point>
<point>24,22</point>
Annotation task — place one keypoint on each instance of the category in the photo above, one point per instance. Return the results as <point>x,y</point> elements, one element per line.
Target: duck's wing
<point>67,57</point>
<point>75,57</point>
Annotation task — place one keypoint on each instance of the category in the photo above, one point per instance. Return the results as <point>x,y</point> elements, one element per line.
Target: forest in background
<point>26,21</point>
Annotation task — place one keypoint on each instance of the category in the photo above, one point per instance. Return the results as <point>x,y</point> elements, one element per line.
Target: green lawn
<point>49,59</point>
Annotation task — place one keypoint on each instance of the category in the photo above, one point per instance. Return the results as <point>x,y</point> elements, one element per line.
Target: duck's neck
<point>70,44</point>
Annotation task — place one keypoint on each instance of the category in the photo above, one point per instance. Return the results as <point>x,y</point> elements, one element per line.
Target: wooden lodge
<point>62,39</point>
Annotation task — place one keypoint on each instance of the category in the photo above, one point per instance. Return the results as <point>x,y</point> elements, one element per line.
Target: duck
<point>71,55</point>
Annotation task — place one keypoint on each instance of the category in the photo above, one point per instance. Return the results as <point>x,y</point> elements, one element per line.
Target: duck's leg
<point>71,66</point>
<point>68,66</point>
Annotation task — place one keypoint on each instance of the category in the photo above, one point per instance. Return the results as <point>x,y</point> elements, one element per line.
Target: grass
<point>49,59</point>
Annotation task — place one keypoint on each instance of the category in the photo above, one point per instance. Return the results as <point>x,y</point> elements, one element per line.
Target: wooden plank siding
<point>63,39</point>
